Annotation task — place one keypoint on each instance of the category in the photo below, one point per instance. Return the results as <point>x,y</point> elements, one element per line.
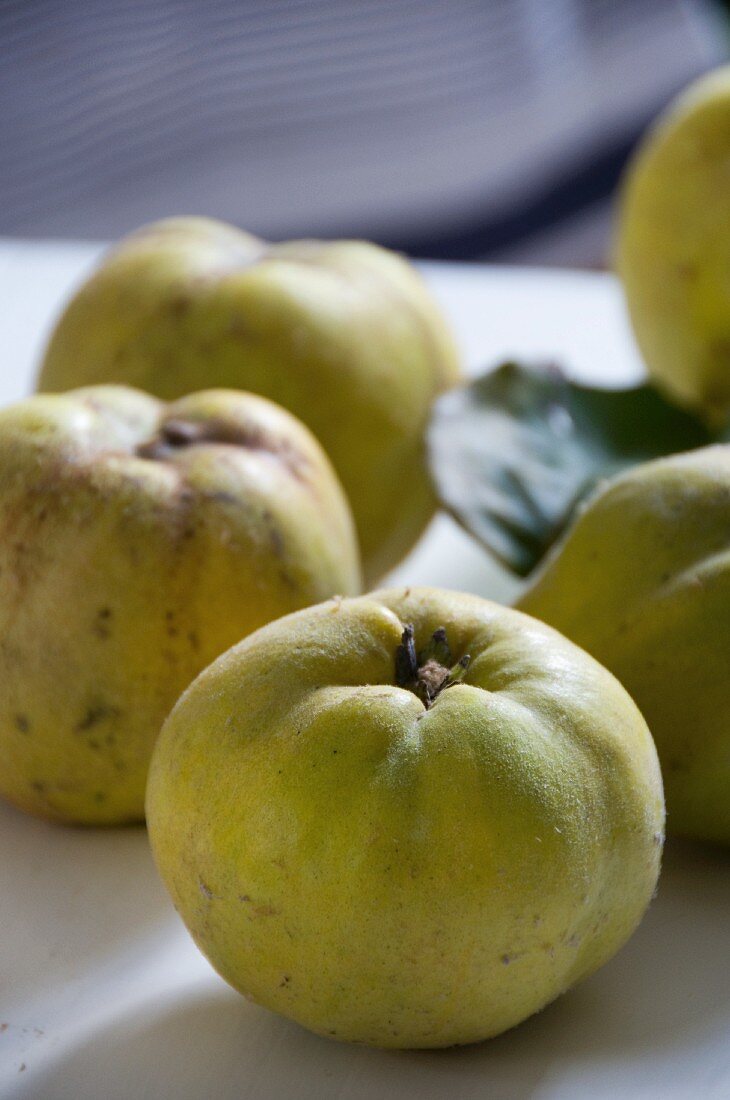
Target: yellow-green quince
<point>138,541</point>
<point>674,247</point>
<point>642,581</point>
<point>343,334</point>
<point>410,819</point>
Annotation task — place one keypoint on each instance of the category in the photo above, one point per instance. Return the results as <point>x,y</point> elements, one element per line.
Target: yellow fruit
<point>395,859</point>
<point>137,542</point>
<point>343,334</point>
<point>673,247</point>
<point>642,581</point>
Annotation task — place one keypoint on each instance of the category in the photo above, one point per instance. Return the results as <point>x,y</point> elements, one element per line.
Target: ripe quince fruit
<point>343,334</point>
<point>139,541</point>
<point>410,819</point>
<point>642,581</point>
<point>674,247</point>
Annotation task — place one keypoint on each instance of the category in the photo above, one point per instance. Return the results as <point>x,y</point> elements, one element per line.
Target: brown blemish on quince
<point>96,713</point>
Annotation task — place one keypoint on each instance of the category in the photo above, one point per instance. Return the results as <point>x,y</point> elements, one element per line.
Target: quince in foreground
<point>410,819</point>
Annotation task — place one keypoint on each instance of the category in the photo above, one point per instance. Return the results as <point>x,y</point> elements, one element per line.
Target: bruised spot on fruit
<point>22,724</point>
<point>205,889</point>
<point>36,785</point>
<point>431,671</point>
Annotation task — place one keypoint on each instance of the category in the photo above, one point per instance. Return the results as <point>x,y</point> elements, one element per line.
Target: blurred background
<point>454,129</point>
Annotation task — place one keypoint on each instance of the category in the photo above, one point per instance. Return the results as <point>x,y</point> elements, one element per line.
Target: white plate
<point>104,997</point>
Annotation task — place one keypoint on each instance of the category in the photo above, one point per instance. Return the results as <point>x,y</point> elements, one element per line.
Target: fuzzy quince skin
<point>343,334</point>
<point>674,247</point>
<point>138,541</point>
<point>362,841</point>
<point>642,581</point>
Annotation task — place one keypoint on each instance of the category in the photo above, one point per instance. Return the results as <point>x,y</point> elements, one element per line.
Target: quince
<point>139,541</point>
<point>343,334</point>
<point>410,819</point>
<point>642,581</point>
<point>674,247</point>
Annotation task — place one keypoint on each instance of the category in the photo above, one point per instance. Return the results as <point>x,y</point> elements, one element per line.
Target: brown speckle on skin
<point>38,786</point>
<point>686,270</point>
<point>277,541</point>
<point>238,328</point>
<point>101,623</point>
<point>205,889</point>
<point>259,910</point>
<point>179,305</point>
<point>96,713</point>
<point>21,723</point>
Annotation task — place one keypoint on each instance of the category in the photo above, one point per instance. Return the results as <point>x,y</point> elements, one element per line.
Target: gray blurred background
<point>448,128</point>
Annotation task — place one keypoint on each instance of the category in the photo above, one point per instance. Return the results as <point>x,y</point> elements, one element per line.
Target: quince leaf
<point>514,452</point>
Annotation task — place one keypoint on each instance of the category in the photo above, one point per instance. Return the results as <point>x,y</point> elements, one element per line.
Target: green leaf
<point>513,452</point>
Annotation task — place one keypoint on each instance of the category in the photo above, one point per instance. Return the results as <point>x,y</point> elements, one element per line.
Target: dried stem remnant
<point>431,671</point>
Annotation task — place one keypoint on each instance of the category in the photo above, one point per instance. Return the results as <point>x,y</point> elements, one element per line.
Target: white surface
<point>104,997</point>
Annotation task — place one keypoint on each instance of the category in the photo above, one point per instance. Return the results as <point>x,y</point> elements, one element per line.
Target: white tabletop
<point>102,993</point>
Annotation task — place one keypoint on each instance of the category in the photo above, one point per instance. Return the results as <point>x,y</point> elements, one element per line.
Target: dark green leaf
<point>513,452</point>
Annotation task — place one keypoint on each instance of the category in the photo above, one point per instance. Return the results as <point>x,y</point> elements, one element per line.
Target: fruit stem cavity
<point>431,671</point>
<point>173,435</point>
